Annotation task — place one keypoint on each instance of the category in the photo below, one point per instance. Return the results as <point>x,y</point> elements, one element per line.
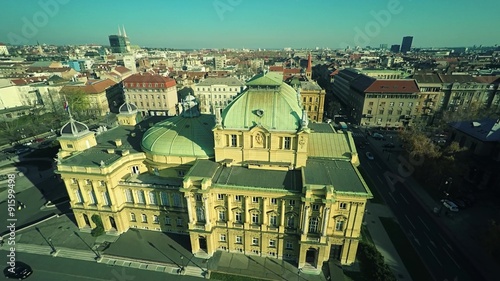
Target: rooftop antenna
<point>119,31</point>
<point>124,33</point>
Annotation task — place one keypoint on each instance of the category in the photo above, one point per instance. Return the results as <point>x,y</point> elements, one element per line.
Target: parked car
<point>23,150</point>
<point>460,203</point>
<point>369,155</point>
<point>450,205</point>
<point>19,271</point>
<point>378,136</point>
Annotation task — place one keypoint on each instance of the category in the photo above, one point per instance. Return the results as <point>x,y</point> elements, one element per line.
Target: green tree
<point>79,102</point>
<point>99,227</point>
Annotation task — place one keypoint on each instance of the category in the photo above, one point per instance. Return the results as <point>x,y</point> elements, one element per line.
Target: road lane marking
<point>430,240</point>
<point>404,199</point>
<point>415,238</point>
<point>452,258</point>
<point>434,256</point>
<point>410,222</point>
<point>390,194</point>
<point>421,220</point>
<point>376,163</point>
<point>380,179</point>
<point>445,241</point>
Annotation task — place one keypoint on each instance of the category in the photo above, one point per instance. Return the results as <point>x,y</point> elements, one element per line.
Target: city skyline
<point>232,23</point>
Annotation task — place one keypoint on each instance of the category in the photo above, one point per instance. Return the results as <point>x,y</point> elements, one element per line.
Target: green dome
<point>267,102</point>
<point>181,136</point>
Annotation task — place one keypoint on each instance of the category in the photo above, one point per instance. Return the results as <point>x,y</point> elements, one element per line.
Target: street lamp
<point>52,247</point>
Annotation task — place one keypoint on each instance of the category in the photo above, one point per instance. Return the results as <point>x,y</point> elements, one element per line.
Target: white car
<point>450,205</point>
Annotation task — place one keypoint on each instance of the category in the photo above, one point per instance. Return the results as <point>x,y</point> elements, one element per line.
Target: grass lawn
<point>229,277</point>
<point>377,198</point>
<point>410,258</point>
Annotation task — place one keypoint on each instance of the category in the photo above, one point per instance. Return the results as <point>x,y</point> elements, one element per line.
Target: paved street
<point>58,269</point>
<point>443,258</point>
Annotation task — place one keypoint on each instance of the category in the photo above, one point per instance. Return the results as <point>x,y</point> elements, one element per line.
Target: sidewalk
<point>466,244</point>
<point>382,241</point>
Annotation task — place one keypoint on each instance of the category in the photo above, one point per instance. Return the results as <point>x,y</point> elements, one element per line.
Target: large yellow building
<point>255,179</point>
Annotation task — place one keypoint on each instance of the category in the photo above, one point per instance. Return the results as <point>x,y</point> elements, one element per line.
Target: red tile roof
<point>488,79</point>
<point>288,71</point>
<point>26,81</point>
<point>393,86</point>
<point>276,68</point>
<point>91,87</point>
<point>121,69</point>
<point>147,80</point>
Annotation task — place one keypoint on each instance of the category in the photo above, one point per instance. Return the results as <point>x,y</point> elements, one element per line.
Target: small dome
<point>181,136</point>
<point>74,128</point>
<point>128,108</point>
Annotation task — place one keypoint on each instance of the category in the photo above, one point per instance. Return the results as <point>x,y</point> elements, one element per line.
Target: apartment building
<point>217,92</point>
<point>154,95</point>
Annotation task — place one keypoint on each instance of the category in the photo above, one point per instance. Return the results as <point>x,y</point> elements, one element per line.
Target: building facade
<point>215,92</point>
<point>154,95</point>
<point>255,179</point>
<point>406,44</point>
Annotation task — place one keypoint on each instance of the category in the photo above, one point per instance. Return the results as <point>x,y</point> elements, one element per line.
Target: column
<point>326,215</point>
<point>207,212</point>
<point>229,213</point>
<point>245,213</point>
<point>282,217</point>
<point>306,220</point>
<point>264,215</point>
<point>189,209</point>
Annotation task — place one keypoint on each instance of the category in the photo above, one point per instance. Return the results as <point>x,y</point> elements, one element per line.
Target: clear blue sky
<point>253,23</point>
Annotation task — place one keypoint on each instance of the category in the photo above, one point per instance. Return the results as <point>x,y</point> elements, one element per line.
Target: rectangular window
<point>255,218</point>
<point>234,140</point>
<point>401,104</point>
<point>239,240</point>
<point>272,243</point>
<point>220,196</point>
<point>255,199</point>
<point>132,217</point>
<point>167,221</point>
<point>199,197</point>
<point>292,202</point>
<point>140,197</point>
<point>128,195</point>
<point>391,103</point>
<point>287,143</point>
<point>152,198</point>
<point>313,225</point>
<point>339,226</point>
<point>177,200</point>
<point>179,221</point>
<point>255,241</point>
<point>135,170</point>
<point>290,222</point>
<point>144,218</point>
<point>93,200</point>
<point>164,199</point>
<point>343,205</point>
<point>105,198</point>
<point>237,217</point>
<point>274,201</point>
<point>222,238</point>
<point>222,215</point>
<point>237,198</point>
<point>273,220</point>
<point>78,195</point>
<point>315,207</point>
<point>155,219</point>
<point>289,245</point>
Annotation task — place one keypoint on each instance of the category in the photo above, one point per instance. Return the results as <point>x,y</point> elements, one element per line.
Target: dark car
<point>460,203</point>
<point>19,271</point>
